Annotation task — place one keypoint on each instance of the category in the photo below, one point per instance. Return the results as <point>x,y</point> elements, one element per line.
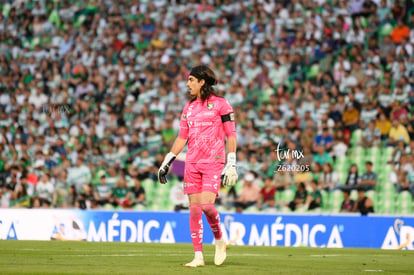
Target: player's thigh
<point>204,197</point>
<point>211,180</point>
<point>192,179</point>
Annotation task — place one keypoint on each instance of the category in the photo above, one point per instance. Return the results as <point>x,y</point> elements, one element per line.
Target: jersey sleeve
<point>183,133</point>
<point>227,117</point>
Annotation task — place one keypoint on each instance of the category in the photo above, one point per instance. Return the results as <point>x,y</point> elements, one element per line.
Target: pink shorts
<point>199,177</point>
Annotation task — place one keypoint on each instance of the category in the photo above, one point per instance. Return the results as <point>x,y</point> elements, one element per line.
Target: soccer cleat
<point>195,263</point>
<point>220,255</point>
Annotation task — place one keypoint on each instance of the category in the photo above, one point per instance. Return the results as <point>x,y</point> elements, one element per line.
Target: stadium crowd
<point>91,94</point>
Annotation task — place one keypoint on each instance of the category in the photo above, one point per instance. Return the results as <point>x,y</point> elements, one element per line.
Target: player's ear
<point>202,82</point>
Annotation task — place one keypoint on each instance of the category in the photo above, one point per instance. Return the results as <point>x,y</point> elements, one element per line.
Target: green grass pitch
<point>42,257</point>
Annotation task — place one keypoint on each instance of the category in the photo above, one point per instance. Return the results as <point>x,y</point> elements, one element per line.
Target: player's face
<point>194,85</point>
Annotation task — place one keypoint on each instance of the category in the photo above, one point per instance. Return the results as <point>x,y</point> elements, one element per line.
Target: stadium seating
<point>148,69</point>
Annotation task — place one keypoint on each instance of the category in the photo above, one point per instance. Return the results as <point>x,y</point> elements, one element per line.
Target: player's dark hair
<point>203,72</point>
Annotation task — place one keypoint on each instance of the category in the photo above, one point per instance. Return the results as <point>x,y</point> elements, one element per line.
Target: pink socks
<point>213,219</point>
<point>196,223</point>
<point>196,227</point>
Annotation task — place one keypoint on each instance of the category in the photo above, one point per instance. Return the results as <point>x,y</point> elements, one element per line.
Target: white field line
<point>331,255</point>
<point>141,252</point>
<point>66,250</point>
<point>131,254</point>
<point>347,255</point>
<point>158,254</point>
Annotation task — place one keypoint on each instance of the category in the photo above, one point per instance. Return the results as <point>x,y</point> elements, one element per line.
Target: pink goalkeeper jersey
<point>206,125</point>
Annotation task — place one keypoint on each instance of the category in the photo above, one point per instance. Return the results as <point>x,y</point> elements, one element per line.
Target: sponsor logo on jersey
<point>199,123</point>
<point>209,113</point>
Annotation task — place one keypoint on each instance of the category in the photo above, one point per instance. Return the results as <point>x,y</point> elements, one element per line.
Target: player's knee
<point>209,209</point>
<point>195,210</point>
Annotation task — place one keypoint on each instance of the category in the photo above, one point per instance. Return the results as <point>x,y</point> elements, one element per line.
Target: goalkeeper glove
<point>165,167</point>
<point>229,175</point>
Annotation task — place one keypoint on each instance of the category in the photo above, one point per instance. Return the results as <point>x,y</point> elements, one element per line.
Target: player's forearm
<point>178,145</point>
<point>231,144</point>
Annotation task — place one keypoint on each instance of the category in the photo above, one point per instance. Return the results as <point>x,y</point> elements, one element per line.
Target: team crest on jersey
<point>184,116</point>
<point>210,105</point>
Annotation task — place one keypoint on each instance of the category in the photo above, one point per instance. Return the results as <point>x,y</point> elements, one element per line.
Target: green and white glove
<point>229,175</point>
<point>165,167</point>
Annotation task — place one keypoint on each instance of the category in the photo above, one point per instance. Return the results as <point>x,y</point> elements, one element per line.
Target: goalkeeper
<point>206,121</point>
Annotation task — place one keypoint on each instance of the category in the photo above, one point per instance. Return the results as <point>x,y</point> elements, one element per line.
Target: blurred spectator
<point>400,32</point>
<point>321,157</point>
<point>73,196</point>
<point>384,126</point>
<point>410,127</point>
<point>398,153</point>
<point>45,190</point>
<point>339,147</point>
<point>134,144</point>
<point>119,193</point>
<point>153,140</point>
<point>300,197</point>
<point>383,11</point>
<point>328,180</point>
<point>60,195</point>
<point>368,180</point>
<point>178,198</point>
<point>348,81</point>
<point>35,203</point>
<point>368,112</point>
<point>363,204</point>
<point>305,177</point>
<point>249,194</point>
<point>79,175</point>
<point>371,136</point>
<point>144,165</point>
<point>307,158</point>
<point>352,179</point>
<point>316,171</point>
<point>255,164</point>
<point>136,194</point>
<point>21,194</point>
<point>403,183</point>
<point>324,139</point>
<point>85,198</point>
<point>398,111</point>
<point>406,163</point>
<point>50,164</point>
<point>103,192</point>
<point>348,203</point>
<point>267,195</point>
<point>398,132</point>
<point>314,199</point>
<point>282,180</point>
<point>242,163</point>
<point>351,117</point>
<point>5,196</point>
